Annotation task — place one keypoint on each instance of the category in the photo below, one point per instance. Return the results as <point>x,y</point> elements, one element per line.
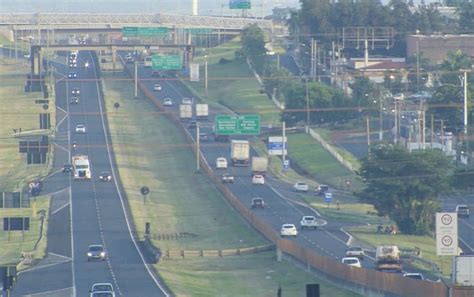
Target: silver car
<point>96,252</point>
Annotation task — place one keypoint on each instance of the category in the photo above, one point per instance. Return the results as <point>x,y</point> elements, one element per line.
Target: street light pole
<point>205,73</point>
<point>307,106</point>
<point>381,120</point>
<point>136,78</point>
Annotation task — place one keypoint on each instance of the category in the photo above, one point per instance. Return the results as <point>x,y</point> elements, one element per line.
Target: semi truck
<point>259,165</point>
<point>202,111</point>
<point>81,167</point>
<point>185,111</point>
<point>387,257</point>
<point>240,152</point>
<point>463,270</point>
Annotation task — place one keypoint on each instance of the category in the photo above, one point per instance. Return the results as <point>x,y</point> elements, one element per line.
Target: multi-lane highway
<point>283,205</point>
<point>91,212</point>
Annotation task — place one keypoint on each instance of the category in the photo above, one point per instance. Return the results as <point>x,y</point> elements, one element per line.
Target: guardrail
<point>366,281</point>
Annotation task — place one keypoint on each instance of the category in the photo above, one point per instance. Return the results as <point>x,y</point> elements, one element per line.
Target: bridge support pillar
<point>35,80</point>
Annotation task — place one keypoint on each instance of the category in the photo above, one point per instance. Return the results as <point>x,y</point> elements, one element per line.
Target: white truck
<point>240,152</point>
<point>185,111</point>
<point>463,270</point>
<point>81,167</point>
<point>387,257</point>
<point>259,165</point>
<point>202,111</point>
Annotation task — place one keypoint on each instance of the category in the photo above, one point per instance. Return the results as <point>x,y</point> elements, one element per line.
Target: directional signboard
<point>237,125</point>
<point>198,30</point>
<point>446,234</point>
<point>328,197</point>
<point>275,146</point>
<point>144,31</point>
<point>166,62</point>
<point>240,4</point>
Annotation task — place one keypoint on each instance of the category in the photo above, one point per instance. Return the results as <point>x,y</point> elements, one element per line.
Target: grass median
<point>18,110</point>
<point>150,150</point>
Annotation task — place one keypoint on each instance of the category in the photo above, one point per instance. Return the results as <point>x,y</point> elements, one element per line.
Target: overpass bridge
<point>46,21</point>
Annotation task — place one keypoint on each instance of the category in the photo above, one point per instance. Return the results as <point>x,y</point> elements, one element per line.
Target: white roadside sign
<point>446,234</point>
<point>194,72</point>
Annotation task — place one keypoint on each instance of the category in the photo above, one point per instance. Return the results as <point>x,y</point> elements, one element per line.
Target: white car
<point>258,179</point>
<point>414,275</point>
<point>288,230</point>
<point>462,210</point>
<point>101,289</point>
<point>308,222</point>
<point>80,129</point>
<point>355,251</point>
<point>351,261</point>
<point>300,187</point>
<point>156,87</point>
<point>186,101</point>
<point>221,163</point>
<point>167,102</point>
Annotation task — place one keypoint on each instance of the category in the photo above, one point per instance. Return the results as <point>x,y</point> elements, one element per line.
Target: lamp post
<point>205,73</point>
<point>417,62</point>
<point>307,105</point>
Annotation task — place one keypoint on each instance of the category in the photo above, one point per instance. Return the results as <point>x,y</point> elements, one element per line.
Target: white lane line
<point>61,147</point>
<point>118,190</point>
<point>62,207</point>
<point>57,192</point>
<point>61,121</point>
<point>463,241</point>
<point>43,266</point>
<point>73,268</point>
<point>60,256</point>
<point>48,292</point>
<point>66,112</point>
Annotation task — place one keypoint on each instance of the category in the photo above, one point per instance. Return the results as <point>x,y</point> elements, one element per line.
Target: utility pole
<point>432,130</point>
<point>283,141</point>
<point>136,79</point>
<point>396,122</point>
<point>313,49</point>
<point>381,119</point>
<point>205,74</point>
<point>417,64</point>
<point>307,106</point>
<point>368,136</point>
<point>197,146</point>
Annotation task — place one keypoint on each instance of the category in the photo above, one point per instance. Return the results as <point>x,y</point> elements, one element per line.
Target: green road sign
<point>237,125</point>
<point>144,31</point>
<point>240,4</point>
<point>166,62</point>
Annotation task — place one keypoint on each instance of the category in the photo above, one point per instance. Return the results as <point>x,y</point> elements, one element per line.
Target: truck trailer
<point>81,167</point>
<point>240,152</point>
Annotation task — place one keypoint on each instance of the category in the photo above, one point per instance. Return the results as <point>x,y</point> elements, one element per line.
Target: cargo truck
<point>463,270</point>
<point>387,257</point>
<point>259,165</point>
<point>202,111</point>
<point>81,167</point>
<point>185,111</point>
<point>240,152</point>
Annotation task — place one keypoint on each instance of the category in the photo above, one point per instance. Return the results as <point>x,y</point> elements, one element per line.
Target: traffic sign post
<point>446,234</point>
<point>275,146</point>
<point>166,62</point>
<point>237,125</point>
<point>328,198</point>
<point>286,164</point>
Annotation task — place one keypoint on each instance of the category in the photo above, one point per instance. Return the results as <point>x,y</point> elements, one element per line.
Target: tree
<point>452,65</point>
<point>466,17</point>
<point>446,105</point>
<point>405,185</point>
<point>253,46</point>
<point>362,88</point>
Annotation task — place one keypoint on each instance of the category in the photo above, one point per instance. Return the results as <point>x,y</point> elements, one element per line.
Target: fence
<point>168,254</point>
<point>331,150</point>
<point>370,281</point>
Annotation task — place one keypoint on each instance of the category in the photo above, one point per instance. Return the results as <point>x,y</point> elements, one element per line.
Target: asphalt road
<point>282,206</point>
<point>93,212</point>
<point>465,225</point>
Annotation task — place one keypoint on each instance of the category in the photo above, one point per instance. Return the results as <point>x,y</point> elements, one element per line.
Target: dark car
<point>257,202</point>
<point>75,91</point>
<point>321,190</point>
<point>72,75</point>
<point>74,100</point>
<point>35,187</point>
<point>67,168</point>
<point>156,74</point>
<point>192,124</point>
<point>105,176</point>
<point>96,252</point>
<point>203,136</point>
<point>227,178</point>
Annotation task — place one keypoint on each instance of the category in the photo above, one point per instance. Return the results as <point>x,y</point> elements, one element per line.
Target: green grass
<point>427,244</point>
<point>151,151</point>
<point>233,85</point>
<point>314,160</point>
<point>14,242</point>
<point>17,110</point>
<point>254,275</point>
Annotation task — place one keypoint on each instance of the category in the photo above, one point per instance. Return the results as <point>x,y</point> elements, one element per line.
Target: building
<point>436,47</point>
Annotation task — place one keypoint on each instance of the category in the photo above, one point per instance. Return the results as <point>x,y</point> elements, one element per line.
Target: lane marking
<point>48,292</point>
<point>61,208</point>
<point>61,147</point>
<point>112,169</point>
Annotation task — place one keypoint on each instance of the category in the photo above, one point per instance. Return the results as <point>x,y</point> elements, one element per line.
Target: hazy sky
<point>205,7</point>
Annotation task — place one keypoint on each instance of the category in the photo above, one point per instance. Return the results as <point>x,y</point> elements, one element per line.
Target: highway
<point>465,225</point>
<point>94,211</point>
<point>283,205</point>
